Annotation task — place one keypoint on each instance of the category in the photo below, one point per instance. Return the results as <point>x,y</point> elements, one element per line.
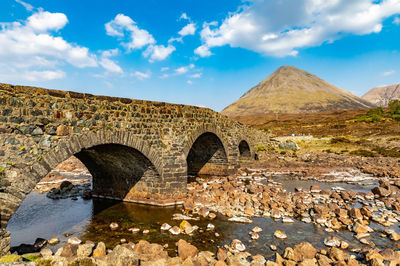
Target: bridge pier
<point>4,242</point>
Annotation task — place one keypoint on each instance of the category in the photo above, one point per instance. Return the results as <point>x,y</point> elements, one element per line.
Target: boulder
<point>84,250</point>
<point>122,256</point>
<point>69,250</point>
<point>186,250</point>
<point>291,145</point>
<point>303,251</point>
<point>380,191</point>
<point>100,250</point>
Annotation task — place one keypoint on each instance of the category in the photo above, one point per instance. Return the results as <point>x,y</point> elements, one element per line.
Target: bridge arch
<point>122,149</point>
<point>207,152</point>
<point>244,150</point>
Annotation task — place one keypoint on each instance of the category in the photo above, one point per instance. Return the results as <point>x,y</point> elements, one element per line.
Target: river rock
<point>134,230</point>
<point>46,253</point>
<point>238,245</point>
<point>69,250</point>
<point>240,220</point>
<point>100,250</point>
<point>165,227</point>
<point>175,230</point>
<point>332,241</point>
<point>74,241</point>
<point>221,255</point>
<point>303,251</point>
<point>148,252</point>
<point>84,250</point>
<point>380,191</point>
<point>185,249</point>
<point>256,229</point>
<point>114,226</point>
<point>280,235</point>
<point>184,224</point>
<point>122,256</point>
<point>53,241</point>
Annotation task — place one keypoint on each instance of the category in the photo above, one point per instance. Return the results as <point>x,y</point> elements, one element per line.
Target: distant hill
<point>292,90</point>
<point>381,96</point>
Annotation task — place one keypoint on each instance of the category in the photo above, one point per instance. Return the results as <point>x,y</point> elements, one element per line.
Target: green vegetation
<point>82,262</point>
<point>260,148</point>
<point>378,114</point>
<point>339,140</point>
<point>363,153</point>
<point>10,259</point>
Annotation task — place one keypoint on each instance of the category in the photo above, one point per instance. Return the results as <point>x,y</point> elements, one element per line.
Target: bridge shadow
<point>117,170</point>
<point>207,156</point>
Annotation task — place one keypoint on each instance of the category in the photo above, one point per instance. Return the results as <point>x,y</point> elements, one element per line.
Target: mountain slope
<point>381,96</point>
<point>291,90</point>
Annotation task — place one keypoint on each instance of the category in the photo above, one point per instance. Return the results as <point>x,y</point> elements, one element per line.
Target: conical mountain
<point>292,90</point>
<point>381,96</point>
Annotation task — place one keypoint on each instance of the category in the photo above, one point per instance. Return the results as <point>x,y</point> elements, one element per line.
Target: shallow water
<point>40,216</point>
<point>290,184</point>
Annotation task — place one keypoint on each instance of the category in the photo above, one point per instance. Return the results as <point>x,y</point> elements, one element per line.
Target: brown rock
<point>303,251</point>
<point>221,254</point>
<point>69,250</point>
<point>100,250</point>
<point>307,262</point>
<point>338,254</point>
<point>382,192</point>
<point>122,256</point>
<point>355,213</point>
<point>186,250</point>
<point>63,130</point>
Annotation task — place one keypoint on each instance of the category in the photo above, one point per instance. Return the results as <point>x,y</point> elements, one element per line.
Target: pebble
<point>74,241</point>
<point>134,230</point>
<point>165,227</point>
<point>280,235</point>
<point>114,226</point>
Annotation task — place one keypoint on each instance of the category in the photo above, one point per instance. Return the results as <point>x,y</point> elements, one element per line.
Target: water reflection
<point>39,216</point>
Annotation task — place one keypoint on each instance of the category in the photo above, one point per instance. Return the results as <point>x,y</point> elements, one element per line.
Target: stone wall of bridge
<point>136,150</point>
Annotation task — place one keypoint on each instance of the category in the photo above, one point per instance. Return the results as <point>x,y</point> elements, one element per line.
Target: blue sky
<point>204,53</point>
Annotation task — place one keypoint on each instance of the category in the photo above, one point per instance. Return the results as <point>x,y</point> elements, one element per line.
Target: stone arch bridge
<point>136,150</point>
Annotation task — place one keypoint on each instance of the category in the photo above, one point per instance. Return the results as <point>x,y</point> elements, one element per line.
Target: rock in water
<point>280,235</point>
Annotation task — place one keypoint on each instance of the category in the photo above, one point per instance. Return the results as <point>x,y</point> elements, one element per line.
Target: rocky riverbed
<point>248,219</point>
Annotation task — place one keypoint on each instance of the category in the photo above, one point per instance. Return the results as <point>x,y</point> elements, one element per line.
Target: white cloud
<point>123,25</point>
<point>203,51</point>
<point>27,6</point>
<point>177,39</point>
<point>184,69</point>
<point>158,52</point>
<point>280,28</point>
<point>189,29</point>
<point>396,21</point>
<point>141,75</point>
<point>163,69</point>
<point>45,21</point>
<point>132,37</point>
<point>184,16</point>
<point>165,75</point>
<point>388,73</point>
<point>109,64</point>
<point>43,75</point>
<point>189,82</point>
<point>31,48</point>
<point>195,76</point>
